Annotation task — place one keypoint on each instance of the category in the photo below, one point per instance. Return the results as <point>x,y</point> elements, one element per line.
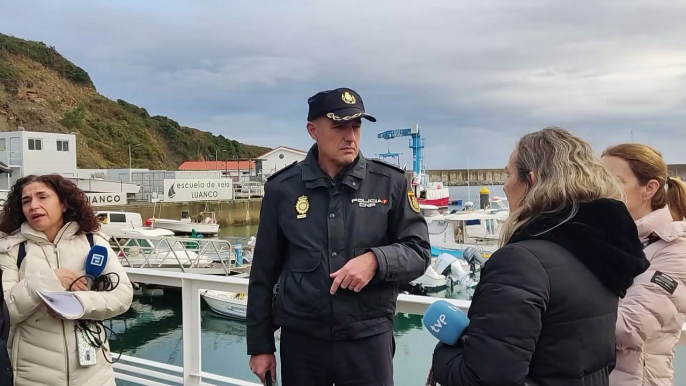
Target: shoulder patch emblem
<point>414,204</point>
<point>384,163</point>
<point>282,170</point>
<point>665,282</point>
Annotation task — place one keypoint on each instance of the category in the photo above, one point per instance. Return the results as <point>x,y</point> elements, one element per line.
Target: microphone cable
<point>95,329</point>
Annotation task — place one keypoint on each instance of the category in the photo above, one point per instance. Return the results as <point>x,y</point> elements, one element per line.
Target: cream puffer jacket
<point>43,348</point>
<point>652,313</point>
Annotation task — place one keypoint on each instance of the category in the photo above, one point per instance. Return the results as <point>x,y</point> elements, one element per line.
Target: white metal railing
<point>250,191</point>
<point>10,158</point>
<point>182,253</point>
<point>151,373</point>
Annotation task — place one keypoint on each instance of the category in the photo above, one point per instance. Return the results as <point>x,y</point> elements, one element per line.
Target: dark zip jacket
<point>545,308</point>
<point>310,226</point>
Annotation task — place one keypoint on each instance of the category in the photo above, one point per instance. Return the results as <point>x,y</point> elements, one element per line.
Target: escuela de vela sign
<point>186,190</point>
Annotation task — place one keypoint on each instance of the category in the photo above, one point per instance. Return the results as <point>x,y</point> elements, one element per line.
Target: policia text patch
<point>665,282</point>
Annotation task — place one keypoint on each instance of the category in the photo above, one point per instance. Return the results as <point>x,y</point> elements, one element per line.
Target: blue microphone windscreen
<point>96,261</point>
<point>445,321</point>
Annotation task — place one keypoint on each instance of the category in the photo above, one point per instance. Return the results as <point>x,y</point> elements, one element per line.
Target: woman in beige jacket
<point>49,218</point>
<point>652,313</point>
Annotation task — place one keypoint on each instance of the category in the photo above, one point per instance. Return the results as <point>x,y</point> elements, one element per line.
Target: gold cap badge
<point>414,204</point>
<point>302,206</point>
<point>348,98</point>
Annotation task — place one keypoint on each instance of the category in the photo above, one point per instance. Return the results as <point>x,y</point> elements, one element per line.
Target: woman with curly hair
<point>49,222</point>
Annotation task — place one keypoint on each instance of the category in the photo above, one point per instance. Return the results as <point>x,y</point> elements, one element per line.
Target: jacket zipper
<point>64,329</point>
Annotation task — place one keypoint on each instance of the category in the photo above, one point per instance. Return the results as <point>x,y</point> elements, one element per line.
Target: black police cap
<point>340,105</point>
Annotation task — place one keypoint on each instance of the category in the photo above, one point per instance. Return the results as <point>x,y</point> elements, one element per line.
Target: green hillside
<point>40,90</point>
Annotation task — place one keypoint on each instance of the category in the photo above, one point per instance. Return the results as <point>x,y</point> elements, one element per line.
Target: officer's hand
<point>259,364</point>
<point>356,273</point>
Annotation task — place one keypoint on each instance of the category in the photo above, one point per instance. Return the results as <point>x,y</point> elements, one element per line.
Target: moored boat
<point>434,194</point>
<point>230,304</point>
<point>185,226</point>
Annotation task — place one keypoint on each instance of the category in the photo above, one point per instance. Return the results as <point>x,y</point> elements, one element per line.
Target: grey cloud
<point>475,76</point>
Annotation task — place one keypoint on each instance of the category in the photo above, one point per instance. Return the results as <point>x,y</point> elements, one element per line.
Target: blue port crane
<point>416,144</point>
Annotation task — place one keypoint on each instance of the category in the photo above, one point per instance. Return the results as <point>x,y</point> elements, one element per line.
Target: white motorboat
<point>148,232</point>
<point>498,204</point>
<point>209,225</point>
<point>434,194</point>
<point>453,233</point>
<point>231,304</point>
<point>429,210</point>
<point>430,193</point>
<point>125,225</point>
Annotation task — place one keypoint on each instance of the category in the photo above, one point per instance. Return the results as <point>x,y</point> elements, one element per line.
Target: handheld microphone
<point>92,331</point>
<point>445,322</point>
<point>96,262</point>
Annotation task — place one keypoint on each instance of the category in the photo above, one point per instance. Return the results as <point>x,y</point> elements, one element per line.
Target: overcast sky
<point>474,75</point>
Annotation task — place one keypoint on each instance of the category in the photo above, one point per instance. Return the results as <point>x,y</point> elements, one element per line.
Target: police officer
<point>339,232</point>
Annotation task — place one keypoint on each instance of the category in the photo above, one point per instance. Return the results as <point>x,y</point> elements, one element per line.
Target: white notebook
<point>64,303</point>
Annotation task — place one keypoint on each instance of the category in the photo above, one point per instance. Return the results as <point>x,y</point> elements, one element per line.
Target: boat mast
<point>469,193</point>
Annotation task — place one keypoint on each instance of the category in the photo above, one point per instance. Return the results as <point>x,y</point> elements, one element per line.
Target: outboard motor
<point>443,263</point>
<point>462,276</point>
<point>472,255</point>
<point>451,266</point>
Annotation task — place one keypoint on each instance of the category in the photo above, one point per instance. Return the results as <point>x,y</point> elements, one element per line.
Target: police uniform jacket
<point>310,226</point>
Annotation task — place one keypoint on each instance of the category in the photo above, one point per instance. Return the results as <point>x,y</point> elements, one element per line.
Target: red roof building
<point>218,165</point>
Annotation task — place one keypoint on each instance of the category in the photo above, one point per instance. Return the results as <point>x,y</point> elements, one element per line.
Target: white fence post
<point>192,342</point>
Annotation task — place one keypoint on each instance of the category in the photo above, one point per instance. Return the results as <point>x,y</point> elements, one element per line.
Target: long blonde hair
<point>647,164</point>
<point>567,174</point>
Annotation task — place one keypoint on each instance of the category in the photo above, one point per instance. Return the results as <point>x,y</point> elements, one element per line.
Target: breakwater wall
<point>236,212</point>
<point>461,177</point>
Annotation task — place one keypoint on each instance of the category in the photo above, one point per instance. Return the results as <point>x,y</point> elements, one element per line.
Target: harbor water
<point>151,329</point>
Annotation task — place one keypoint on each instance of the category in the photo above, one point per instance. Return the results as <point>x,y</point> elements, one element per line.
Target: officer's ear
<point>312,129</point>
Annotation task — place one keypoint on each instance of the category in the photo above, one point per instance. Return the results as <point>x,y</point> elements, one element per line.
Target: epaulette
<point>384,163</point>
<point>281,170</point>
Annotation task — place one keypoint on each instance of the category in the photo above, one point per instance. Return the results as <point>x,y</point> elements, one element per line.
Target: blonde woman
<point>544,311</point>
<point>652,314</point>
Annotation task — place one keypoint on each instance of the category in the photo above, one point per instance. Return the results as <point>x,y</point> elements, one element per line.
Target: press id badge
<point>87,352</point>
